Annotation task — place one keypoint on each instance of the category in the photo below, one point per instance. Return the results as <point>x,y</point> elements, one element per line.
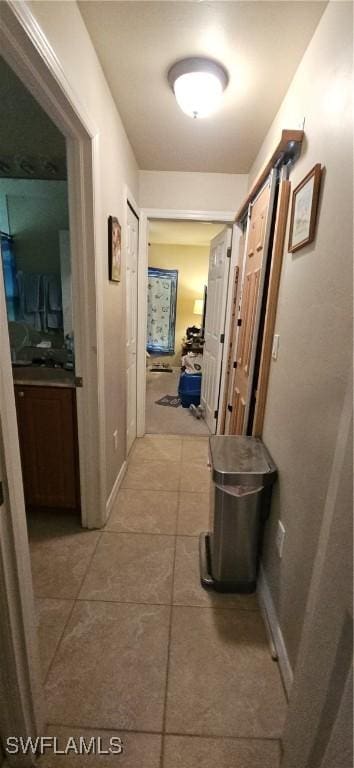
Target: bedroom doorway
<point>179,264</point>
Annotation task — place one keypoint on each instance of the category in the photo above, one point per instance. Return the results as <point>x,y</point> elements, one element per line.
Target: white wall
<point>192,191</point>
<point>65,30</point>
<point>307,382</point>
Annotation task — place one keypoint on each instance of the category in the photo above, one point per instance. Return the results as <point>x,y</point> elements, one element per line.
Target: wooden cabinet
<point>47,428</point>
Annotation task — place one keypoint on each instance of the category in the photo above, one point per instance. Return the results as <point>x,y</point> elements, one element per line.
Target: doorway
<point>25,50</point>
<point>182,325</point>
<point>36,262</point>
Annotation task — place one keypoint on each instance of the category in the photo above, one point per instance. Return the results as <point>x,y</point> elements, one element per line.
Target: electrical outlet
<point>275,347</point>
<point>115,439</point>
<point>280,539</point>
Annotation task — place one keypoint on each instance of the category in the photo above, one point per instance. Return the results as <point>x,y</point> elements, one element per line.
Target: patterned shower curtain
<point>161,315</point>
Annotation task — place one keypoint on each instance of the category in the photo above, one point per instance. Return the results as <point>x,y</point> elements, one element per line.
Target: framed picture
<point>114,249</point>
<point>304,210</point>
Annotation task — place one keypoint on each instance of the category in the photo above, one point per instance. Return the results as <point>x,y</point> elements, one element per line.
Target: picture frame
<point>304,210</point>
<point>114,249</point>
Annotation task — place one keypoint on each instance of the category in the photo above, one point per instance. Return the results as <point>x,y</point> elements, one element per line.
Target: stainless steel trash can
<point>243,473</point>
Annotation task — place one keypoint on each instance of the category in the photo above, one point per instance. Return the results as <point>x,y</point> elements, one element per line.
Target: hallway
<point>131,644</point>
<point>162,419</point>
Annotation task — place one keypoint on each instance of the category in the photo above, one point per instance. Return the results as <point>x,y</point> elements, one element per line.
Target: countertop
<point>38,376</point>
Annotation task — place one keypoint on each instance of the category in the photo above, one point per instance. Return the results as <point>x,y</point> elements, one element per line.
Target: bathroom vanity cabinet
<point>47,426</point>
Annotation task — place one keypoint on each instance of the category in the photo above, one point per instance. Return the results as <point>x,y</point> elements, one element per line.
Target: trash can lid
<point>240,460</point>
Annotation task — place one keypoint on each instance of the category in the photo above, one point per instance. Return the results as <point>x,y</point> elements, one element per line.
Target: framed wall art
<point>114,249</point>
<point>304,210</point>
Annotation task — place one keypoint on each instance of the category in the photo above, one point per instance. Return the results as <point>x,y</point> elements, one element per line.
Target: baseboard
<point>114,492</point>
<point>267,605</point>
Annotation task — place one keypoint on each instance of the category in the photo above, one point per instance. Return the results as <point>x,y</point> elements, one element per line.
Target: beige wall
<point>192,191</point>
<point>319,727</point>
<point>307,382</point>
<point>63,25</point>
<point>191,261</point>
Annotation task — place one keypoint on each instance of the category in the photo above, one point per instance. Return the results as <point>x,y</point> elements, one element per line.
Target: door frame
<point>28,52</point>
<point>222,217</point>
<point>129,200</point>
<point>21,691</point>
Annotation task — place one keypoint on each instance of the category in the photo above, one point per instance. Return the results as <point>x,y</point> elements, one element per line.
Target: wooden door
<point>131,324</point>
<point>252,291</point>
<point>219,265</point>
<point>233,320</point>
<point>46,419</point>
<point>261,386</point>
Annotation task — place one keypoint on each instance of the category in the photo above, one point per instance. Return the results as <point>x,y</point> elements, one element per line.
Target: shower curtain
<point>161,314</point>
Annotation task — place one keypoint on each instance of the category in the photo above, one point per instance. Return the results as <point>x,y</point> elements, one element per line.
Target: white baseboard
<point>267,605</point>
<point>114,492</point>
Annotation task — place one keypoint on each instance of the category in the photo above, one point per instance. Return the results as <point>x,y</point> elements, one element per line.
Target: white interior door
<point>132,313</point>
<point>219,266</point>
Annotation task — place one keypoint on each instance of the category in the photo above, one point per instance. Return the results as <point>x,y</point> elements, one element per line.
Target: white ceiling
<point>260,43</point>
<point>182,232</point>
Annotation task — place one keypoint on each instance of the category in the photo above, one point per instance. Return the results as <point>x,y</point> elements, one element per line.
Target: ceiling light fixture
<point>198,85</point>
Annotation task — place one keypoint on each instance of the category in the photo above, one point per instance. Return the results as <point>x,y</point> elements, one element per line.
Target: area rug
<point>170,400</point>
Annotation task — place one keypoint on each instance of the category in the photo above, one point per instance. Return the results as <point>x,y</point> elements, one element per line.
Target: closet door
<point>256,252</point>
<point>219,266</point>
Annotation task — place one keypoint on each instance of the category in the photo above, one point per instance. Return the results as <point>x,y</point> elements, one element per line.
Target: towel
<point>29,287</point>
<point>54,293</point>
<point>53,316</point>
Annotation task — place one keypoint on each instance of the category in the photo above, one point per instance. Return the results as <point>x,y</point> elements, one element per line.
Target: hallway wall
<point>192,191</point>
<point>307,382</point>
<point>65,30</point>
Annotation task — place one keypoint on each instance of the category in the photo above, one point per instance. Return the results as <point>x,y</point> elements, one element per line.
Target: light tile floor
<point>131,644</point>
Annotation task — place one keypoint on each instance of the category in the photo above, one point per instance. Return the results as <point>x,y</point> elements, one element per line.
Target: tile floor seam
<point>104,729</point>
<point>211,737</point>
<point>138,533</point>
<point>168,654</point>
<point>59,641</point>
<point>163,605</point>
<point>75,600</point>
<point>121,602</point>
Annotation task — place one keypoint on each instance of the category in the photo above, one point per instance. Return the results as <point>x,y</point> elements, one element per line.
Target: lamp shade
<point>198,307</point>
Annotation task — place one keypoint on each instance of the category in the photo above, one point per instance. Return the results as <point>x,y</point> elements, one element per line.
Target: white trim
<point>20,680</point>
<point>28,52</point>
<point>188,215</point>
<point>129,198</point>
<point>114,492</point>
<point>236,234</point>
<point>267,605</point>
<point>34,32</point>
<point>174,215</point>
<point>142,313</point>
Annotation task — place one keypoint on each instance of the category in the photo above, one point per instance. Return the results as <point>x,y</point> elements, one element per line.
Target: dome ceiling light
<point>198,85</point>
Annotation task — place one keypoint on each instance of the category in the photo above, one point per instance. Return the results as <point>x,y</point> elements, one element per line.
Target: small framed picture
<point>114,249</point>
<point>304,210</point>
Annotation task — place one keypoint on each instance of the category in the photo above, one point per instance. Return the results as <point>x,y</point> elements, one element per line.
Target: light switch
<point>275,347</point>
